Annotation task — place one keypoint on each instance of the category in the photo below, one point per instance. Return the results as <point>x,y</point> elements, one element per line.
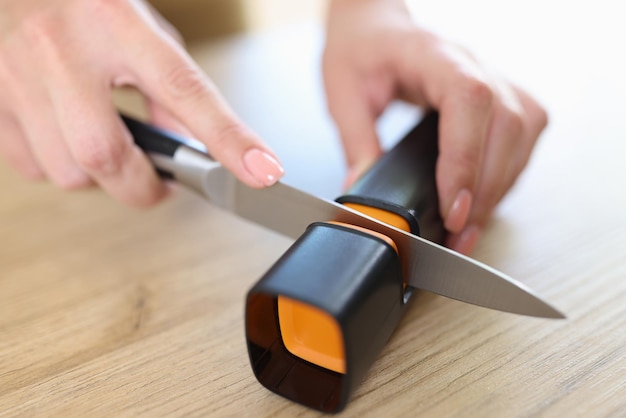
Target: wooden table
<point>108,311</point>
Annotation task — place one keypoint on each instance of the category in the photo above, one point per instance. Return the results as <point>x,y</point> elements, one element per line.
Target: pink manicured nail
<point>263,166</point>
<point>459,211</point>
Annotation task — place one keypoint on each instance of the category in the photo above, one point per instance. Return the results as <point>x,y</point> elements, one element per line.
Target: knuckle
<point>42,29</point>
<point>464,160</point>
<point>100,156</point>
<point>228,133</point>
<point>43,34</point>
<point>474,91</point>
<point>185,82</point>
<point>513,123</point>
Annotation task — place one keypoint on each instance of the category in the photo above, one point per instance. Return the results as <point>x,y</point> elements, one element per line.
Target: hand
<point>59,60</point>
<point>375,53</point>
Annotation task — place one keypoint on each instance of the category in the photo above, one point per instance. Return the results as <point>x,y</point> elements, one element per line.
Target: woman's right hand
<point>59,61</point>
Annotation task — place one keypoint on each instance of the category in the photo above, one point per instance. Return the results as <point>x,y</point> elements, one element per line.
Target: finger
<point>46,143</point>
<point>350,108</point>
<point>15,150</point>
<point>101,145</point>
<point>503,147</point>
<point>168,76</point>
<point>463,131</point>
<point>518,131</point>
<point>498,167</point>
<point>34,117</point>
<point>455,85</point>
<point>535,121</point>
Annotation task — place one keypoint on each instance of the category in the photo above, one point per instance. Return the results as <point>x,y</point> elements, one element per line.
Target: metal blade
<point>448,273</point>
<point>425,264</point>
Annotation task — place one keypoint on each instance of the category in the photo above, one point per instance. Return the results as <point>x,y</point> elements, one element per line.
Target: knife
<point>289,211</point>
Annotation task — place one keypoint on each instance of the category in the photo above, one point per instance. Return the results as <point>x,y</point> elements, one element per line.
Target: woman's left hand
<point>375,53</point>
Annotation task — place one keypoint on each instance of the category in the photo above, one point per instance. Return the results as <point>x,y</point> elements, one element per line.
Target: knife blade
<point>288,211</point>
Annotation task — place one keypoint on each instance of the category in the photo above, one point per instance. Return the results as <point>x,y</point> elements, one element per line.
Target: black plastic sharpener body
<point>317,320</point>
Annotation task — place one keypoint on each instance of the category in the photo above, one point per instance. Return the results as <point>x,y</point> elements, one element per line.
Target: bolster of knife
<point>173,156</point>
<point>400,187</point>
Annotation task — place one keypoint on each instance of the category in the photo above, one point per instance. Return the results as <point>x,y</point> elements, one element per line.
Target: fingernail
<point>263,166</point>
<point>459,212</point>
<point>466,240</point>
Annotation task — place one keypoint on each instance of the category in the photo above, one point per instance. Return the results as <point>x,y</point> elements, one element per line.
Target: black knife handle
<point>164,144</point>
<point>402,181</point>
<point>152,139</point>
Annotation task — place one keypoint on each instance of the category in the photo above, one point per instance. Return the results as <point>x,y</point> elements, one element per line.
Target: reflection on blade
<point>427,266</point>
<point>445,272</point>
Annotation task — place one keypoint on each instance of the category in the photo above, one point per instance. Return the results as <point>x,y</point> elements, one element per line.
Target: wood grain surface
<point>109,311</point>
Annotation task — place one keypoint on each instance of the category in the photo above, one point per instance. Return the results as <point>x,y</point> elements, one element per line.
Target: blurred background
<point>264,55</point>
<point>199,20</point>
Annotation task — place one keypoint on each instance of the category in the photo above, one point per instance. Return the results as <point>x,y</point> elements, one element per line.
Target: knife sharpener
<point>318,319</point>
